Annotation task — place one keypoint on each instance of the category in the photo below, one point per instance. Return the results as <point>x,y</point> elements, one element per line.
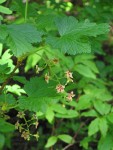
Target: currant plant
<point>48,74</point>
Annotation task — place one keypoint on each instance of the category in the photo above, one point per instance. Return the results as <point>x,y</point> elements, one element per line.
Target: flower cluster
<point>60,88</point>
<point>25,133</point>
<point>70,96</point>
<point>38,69</point>
<point>20,114</point>
<point>69,76</point>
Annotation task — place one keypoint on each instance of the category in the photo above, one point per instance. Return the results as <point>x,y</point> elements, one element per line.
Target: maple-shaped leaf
<point>20,37</point>
<point>40,95</point>
<point>74,36</point>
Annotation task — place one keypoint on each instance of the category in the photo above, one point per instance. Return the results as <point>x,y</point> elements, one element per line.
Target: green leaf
<point>2,141</point>
<point>103,126</point>
<point>49,115</point>
<point>6,127</point>
<point>33,59</point>
<point>85,71</point>
<point>110,117</point>
<point>21,37</point>
<point>20,79</point>
<point>101,107</point>
<point>15,89</point>
<point>5,10</point>
<point>66,138</point>
<point>68,115</point>
<point>70,44</point>
<point>51,141</point>
<point>2,1</point>
<point>98,92</point>
<point>1,47</point>
<point>93,127</point>
<point>3,32</point>
<point>106,143</point>
<point>74,35</point>
<point>85,142</point>
<point>46,21</point>
<point>59,109</point>
<point>84,102</point>
<point>91,65</point>
<point>4,69</point>
<point>80,58</point>
<point>90,113</point>
<point>62,112</point>
<point>40,96</point>
<point>7,61</point>
<point>8,99</point>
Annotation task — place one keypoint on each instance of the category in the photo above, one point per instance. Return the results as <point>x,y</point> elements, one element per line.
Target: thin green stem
<point>26,11</point>
<point>26,123</point>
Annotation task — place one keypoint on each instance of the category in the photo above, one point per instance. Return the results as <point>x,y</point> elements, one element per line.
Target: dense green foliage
<point>56,72</point>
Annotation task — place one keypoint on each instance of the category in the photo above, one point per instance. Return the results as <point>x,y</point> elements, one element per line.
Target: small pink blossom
<point>68,74</point>
<point>60,88</point>
<point>70,96</point>
<point>47,77</point>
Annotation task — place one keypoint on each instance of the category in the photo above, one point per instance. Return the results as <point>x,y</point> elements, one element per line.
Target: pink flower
<point>70,96</point>
<point>68,74</point>
<point>47,77</point>
<point>60,88</point>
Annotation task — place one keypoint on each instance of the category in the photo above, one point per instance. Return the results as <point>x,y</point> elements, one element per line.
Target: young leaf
<point>51,141</point>
<point>66,138</point>
<point>106,143</point>
<point>93,127</point>
<point>2,1</point>
<point>59,109</point>
<point>110,117</point>
<point>5,10</point>
<point>101,107</point>
<point>85,142</point>
<point>90,113</point>
<point>2,141</point>
<point>84,102</point>
<point>85,71</point>
<point>49,115</point>
<point>103,126</point>
<point>33,59</point>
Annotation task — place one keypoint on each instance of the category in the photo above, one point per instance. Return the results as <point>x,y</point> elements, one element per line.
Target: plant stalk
<point>26,11</point>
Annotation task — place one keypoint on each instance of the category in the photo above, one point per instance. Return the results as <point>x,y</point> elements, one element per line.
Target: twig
<point>10,76</point>
<point>75,136</point>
